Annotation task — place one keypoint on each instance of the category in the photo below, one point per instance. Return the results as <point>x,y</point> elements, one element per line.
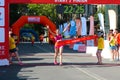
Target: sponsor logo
<point>2,2</point>
<point>33,19</point>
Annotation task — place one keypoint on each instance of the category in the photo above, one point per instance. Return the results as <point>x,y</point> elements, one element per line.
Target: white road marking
<point>91,74</point>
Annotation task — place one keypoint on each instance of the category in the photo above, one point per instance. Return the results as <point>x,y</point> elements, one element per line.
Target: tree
<point>17,10</point>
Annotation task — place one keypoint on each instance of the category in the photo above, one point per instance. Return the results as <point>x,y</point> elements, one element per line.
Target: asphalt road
<point>38,65</point>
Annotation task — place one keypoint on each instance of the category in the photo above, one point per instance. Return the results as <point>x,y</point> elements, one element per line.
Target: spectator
<point>109,34</point>
<point>13,49</point>
<point>32,40</point>
<point>41,37</point>
<point>100,47</point>
<point>117,41</point>
<point>113,47</point>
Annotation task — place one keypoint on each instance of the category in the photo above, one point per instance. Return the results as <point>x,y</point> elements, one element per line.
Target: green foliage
<point>99,10</point>
<point>42,9</point>
<point>17,10</point>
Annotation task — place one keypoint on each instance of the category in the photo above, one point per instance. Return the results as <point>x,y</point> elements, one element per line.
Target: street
<point>38,65</point>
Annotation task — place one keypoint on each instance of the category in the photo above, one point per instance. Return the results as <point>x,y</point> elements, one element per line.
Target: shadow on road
<point>14,71</point>
<point>27,48</point>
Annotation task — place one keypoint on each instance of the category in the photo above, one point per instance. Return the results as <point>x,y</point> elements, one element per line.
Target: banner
<point>91,32</point>
<point>72,28</point>
<point>82,48</point>
<point>33,19</point>
<point>112,19</point>
<point>2,35</point>
<point>2,16</point>
<point>84,26</point>
<point>78,26</point>
<point>90,42</point>
<point>2,2</point>
<point>101,19</point>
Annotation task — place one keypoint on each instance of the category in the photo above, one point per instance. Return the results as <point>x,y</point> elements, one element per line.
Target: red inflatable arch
<point>33,19</point>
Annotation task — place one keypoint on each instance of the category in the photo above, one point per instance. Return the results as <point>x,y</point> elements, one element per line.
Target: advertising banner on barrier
<point>3,48</point>
<point>2,35</point>
<point>2,2</point>
<point>82,48</point>
<point>2,16</point>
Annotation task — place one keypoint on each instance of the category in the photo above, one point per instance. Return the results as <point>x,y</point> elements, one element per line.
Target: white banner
<point>112,19</point>
<point>2,35</point>
<point>84,26</point>
<point>101,19</point>
<point>2,2</point>
<point>2,16</point>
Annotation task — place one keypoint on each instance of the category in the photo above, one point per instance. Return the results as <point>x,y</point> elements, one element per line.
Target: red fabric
<point>72,41</point>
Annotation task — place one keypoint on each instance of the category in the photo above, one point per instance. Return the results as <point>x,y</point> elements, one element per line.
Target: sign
<point>82,48</point>
<point>67,9</point>
<point>90,42</point>
<point>2,35</point>
<point>2,16</point>
<point>2,2</point>
<point>33,19</point>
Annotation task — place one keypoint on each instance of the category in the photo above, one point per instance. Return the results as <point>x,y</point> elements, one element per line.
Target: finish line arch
<point>32,19</point>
